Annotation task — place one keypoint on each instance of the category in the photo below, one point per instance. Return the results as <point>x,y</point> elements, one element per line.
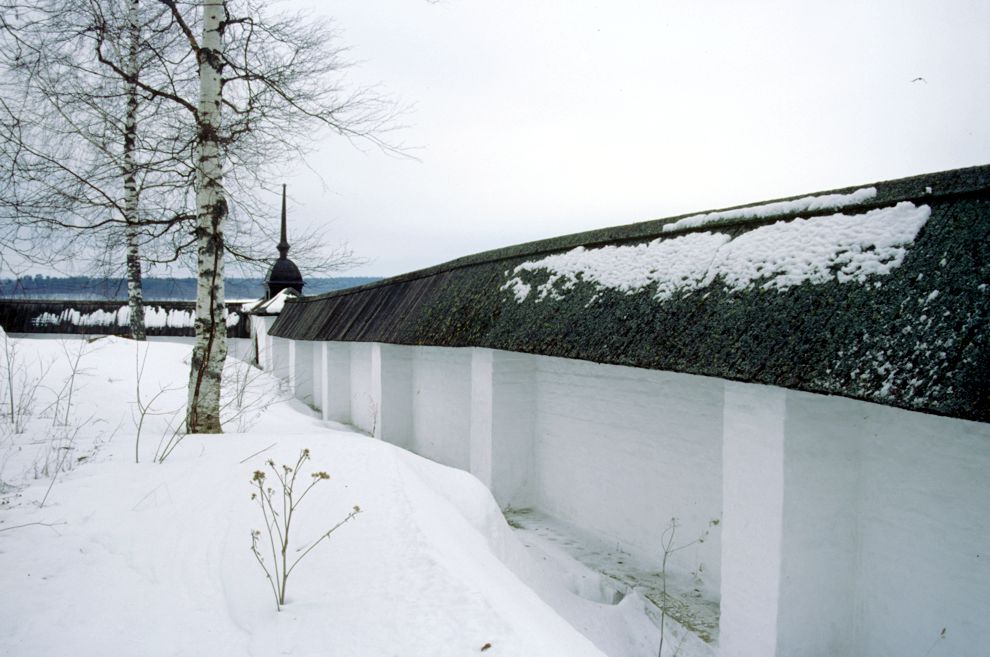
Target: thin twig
<point>258,452</point>
<point>58,467</point>
<point>50,525</point>
<point>350,515</point>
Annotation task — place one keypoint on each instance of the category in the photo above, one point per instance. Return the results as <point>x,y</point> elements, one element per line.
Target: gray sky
<point>543,117</point>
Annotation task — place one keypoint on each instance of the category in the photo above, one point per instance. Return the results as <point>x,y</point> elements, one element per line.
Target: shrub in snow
<point>19,385</point>
<point>247,392</point>
<point>277,508</point>
<point>145,407</point>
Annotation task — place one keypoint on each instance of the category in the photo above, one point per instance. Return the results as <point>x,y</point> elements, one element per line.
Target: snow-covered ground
<point>101,555</point>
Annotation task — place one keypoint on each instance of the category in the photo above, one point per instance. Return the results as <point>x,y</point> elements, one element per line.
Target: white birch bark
<point>135,295</point>
<point>210,350</point>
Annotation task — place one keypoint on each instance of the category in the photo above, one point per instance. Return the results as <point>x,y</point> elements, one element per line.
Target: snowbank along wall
<point>811,373</point>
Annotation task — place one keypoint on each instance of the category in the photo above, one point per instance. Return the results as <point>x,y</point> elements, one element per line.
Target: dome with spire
<point>284,273</point>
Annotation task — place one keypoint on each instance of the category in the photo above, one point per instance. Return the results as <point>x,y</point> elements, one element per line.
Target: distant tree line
<point>158,289</point>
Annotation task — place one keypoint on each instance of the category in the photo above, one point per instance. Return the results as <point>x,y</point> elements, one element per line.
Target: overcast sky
<point>537,118</point>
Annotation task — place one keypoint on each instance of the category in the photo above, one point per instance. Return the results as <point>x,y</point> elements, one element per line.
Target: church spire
<point>283,243</point>
<point>284,273</point>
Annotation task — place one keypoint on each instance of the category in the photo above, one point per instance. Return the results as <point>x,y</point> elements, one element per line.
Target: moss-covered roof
<point>896,320</point>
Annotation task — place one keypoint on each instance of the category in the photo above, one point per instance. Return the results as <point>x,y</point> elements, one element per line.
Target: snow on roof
<point>779,256</point>
<point>271,306</point>
<point>251,305</point>
<point>777,208</point>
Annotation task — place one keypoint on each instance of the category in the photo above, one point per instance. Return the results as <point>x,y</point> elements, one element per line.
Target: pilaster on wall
<point>752,519</point>
<point>318,372</point>
<point>820,546</point>
<point>391,392</point>
<point>301,370</point>
<point>335,385</point>
<point>789,540</point>
<point>364,399</point>
<point>260,325</point>
<point>280,358</point>
<point>502,420</point>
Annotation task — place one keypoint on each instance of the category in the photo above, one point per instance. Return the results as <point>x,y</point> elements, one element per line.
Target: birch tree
<point>92,163</point>
<point>210,350</point>
<point>135,295</point>
<point>265,83</point>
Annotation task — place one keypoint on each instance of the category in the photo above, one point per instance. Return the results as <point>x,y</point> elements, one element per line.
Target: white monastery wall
<point>752,504</point>
<point>335,387</point>
<point>301,365</point>
<point>503,407</point>
<point>318,373</point>
<point>621,451</point>
<point>846,528</point>
<point>851,528</point>
<point>363,405</point>
<point>441,405</point>
<point>260,325</point>
<point>821,500</point>
<point>923,525</point>
<point>281,360</point>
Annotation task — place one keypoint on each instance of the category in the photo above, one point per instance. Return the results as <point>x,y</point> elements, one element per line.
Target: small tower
<point>284,273</point>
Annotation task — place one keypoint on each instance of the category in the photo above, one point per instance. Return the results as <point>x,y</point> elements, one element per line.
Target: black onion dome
<point>284,273</point>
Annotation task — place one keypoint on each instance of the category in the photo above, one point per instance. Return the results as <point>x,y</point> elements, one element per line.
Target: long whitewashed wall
<point>922,532</point>
<point>618,461</point>
<point>851,528</point>
<point>364,404</point>
<point>621,451</point>
<point>441,405</point>
<point>846,527</point>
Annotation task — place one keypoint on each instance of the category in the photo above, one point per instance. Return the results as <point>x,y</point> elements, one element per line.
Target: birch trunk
<point>135,295</point>
<point>210,350</point>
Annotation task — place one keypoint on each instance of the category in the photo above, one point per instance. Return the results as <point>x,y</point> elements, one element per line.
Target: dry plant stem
<point>178,433</point>
<point>261,562</point>
<point>256,453</point>
<point>326,535</point>
<point>50,525</point>
<point>139,364</point>
<point>68,388</point>
<point>144,410</point>
<point>668,547</point>
<point>21,390</point>
<point>72,379</point>
<point>278,522</point>
<point>238,407</point>
<point>238,380</point>
<point>58,466</point>
<point>9,353</point>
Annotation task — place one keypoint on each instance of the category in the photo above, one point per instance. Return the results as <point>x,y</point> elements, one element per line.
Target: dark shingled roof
<point>915,338</point>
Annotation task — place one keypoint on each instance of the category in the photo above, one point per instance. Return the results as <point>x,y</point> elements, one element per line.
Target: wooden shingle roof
<point>900,320</point>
